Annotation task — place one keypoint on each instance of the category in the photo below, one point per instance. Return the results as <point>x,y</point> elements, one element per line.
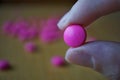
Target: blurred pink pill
<point>7,27</point>
<point>52,23</point>
<point>30,47</point>
<point>21,24</point>
<point>14,31</point>
<point>49,37</point>
<point>50,31</point>
<point>23,35</point>
<point>57,61</point>
<point>32,33</point>
<point>17,27</point>
<point>4,64</point>
<point>74,35</point>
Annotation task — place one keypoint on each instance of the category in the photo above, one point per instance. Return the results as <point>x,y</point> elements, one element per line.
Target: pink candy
<point>50,31</point>
<point>30,47</point>
<point>4,65</point>
<point>32,32</point>
<point>23,35</point>
<point>74,35</point>
<point>57,61</point>
<point>7,27</point>
<point>18,26</point>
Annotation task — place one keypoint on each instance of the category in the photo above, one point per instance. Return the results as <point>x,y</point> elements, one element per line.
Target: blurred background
<point>37,65</point>
<point>37,1</point>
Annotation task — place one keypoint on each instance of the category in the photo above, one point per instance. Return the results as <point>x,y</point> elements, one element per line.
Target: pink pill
<point>74,35</point>
<point>32,33</point>
<point>50,32</point>
<point>51,37</point>
<point>23,35</point>
<point>4,65</point>
<point>18,27</point>
<point>30,47</point>
<point>57,61</point>
<point>7,27</point>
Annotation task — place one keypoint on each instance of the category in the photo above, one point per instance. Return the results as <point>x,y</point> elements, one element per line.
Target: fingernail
<point>79,57</point>
<point>63,22</point>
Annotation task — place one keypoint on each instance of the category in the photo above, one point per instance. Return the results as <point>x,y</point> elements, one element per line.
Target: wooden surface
<point>37,66</point>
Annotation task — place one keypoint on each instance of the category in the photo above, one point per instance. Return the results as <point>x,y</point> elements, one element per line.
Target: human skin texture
<point>102,56</point>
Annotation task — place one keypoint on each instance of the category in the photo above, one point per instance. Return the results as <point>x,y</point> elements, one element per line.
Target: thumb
<point>101,56</point>
<point>84,12</point>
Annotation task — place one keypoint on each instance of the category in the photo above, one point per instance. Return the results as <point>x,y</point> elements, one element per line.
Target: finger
<point>84,12</point>
<point>102,56</point>
<point>63,21</point>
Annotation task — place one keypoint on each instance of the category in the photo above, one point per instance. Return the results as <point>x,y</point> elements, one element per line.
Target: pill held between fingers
<point>74,35</point>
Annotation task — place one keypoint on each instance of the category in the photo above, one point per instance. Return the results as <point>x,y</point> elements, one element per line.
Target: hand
<point>85,12</point>
<point>102,56</point>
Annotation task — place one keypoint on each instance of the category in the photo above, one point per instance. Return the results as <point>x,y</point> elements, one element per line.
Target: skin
<point>102,56</point>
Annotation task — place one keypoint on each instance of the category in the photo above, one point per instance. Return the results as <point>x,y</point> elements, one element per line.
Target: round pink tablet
<point>32,33</point>
<point>7,27</point>
<point>4,65</point>
<point>74,35</point>
<point>50,32</point>
<point>30,47</point>
<point>17,27</point>
<point>57,61</point>
<point>23,35</point>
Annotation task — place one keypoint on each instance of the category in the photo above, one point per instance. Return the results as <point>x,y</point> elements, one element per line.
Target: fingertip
<point>63,23</point>
<point>60,26</point>
<point>67,56</point>
<point>79,56</point>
